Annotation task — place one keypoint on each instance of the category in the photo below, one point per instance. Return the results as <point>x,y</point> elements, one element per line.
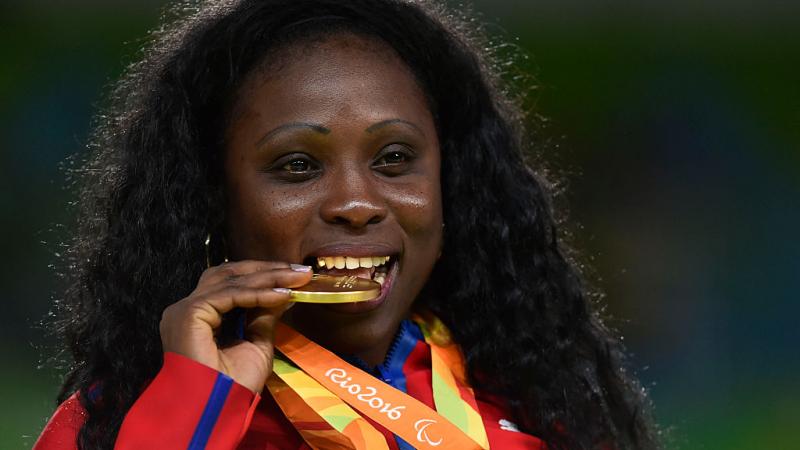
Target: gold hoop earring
<point>208,252</point>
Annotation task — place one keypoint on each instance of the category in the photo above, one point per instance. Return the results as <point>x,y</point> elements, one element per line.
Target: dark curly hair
<point>150,191</point>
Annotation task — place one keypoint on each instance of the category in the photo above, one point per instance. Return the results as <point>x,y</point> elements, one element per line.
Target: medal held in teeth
<point>344,279</point>
<point>336,289</point>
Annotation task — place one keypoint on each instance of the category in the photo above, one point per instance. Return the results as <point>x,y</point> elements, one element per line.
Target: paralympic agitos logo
<point>422,431</point>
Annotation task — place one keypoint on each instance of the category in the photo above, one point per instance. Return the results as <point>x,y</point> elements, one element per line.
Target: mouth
<point>382,269</point>
<point>375,268</point>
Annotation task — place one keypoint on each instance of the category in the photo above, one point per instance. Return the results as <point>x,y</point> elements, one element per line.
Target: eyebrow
<point>323,130</point>
<point>288,126</point>
<point>385,123</point>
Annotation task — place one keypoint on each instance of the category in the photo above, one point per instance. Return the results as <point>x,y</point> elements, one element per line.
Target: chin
<point>365,331</point>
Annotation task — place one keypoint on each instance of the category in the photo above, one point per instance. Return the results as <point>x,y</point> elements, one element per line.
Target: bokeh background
<point>676,124</point>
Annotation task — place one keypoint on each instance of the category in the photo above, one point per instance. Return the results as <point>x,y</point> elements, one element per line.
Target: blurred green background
<point>677,125</point>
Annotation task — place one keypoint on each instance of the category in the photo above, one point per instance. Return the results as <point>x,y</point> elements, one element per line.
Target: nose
<point>353,201</point>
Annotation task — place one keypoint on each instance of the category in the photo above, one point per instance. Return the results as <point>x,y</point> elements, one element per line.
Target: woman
<point>257,141</point>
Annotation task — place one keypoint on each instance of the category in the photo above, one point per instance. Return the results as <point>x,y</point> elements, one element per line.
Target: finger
<point>210,309</point>
<point>232,269</point>
<point>260,329</point>
<point>270,278</point>
<point>211,306</point>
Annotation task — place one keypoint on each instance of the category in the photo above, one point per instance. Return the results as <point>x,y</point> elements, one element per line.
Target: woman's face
<point>333,153</point>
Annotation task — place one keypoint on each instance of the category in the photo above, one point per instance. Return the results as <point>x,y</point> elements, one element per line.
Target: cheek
<point>267,222</point>
<point>417,204</point>
<point>418,208</point>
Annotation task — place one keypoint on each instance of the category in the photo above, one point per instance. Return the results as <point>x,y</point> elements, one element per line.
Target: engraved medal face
<point>336,289</point>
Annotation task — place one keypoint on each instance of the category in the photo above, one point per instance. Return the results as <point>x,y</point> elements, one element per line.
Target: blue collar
<point>391,370</point>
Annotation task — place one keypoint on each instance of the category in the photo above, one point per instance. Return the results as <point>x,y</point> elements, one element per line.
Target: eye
<point>393,156</point>
<point>297,165</point>
<point>294,167</point>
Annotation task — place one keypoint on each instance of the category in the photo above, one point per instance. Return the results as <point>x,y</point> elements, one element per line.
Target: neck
<point>373,357</point>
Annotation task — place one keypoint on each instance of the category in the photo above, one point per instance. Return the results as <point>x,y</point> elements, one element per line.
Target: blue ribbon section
<point>391,371</point>
<point>219,393</point>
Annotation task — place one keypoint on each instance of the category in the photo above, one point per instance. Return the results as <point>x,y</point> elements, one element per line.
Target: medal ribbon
<point>403,415</point>
<point>452,394</point>
<point>322,419</point>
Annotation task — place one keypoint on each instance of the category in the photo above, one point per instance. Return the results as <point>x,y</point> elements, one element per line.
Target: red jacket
<point>191,406</point>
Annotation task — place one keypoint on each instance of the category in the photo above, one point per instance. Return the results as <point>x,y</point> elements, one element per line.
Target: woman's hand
<point>188,326</point>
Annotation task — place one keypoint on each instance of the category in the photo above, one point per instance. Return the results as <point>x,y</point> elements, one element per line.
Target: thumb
<point>260,328</point>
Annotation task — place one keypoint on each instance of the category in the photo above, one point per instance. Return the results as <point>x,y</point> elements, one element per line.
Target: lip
<point>369,305</point>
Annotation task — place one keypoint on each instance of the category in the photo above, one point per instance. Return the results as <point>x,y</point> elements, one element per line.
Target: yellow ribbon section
<point>304,401</point>
<point>449,375</point>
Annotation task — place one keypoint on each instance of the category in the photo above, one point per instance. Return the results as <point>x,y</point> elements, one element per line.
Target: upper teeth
<point>349,262</point>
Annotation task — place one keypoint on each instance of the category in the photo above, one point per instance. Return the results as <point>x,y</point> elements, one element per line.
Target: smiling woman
<point>348,169</point>
<point>258,141</point>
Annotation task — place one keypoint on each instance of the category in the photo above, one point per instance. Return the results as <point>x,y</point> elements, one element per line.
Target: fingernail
<point>282,290</point>
<point>300,268</point>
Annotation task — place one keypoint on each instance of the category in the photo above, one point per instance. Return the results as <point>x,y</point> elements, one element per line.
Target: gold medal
<point>336,289</point>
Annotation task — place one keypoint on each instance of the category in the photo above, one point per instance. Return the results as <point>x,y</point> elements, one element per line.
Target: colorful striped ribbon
<point>325,420</point>
<point>452,395</point>
<point>322,419</point>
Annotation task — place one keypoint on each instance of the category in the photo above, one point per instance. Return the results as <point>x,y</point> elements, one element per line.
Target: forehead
<point>341,74</point>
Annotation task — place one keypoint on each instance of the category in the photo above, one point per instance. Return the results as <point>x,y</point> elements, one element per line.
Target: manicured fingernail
<point>300,268</point>
<point>282,290</point>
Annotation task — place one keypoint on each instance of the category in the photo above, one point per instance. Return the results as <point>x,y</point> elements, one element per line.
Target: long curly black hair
<point>150,192</point>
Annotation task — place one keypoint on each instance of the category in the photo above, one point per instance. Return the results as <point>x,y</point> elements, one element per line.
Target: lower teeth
<point>380,275</point>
